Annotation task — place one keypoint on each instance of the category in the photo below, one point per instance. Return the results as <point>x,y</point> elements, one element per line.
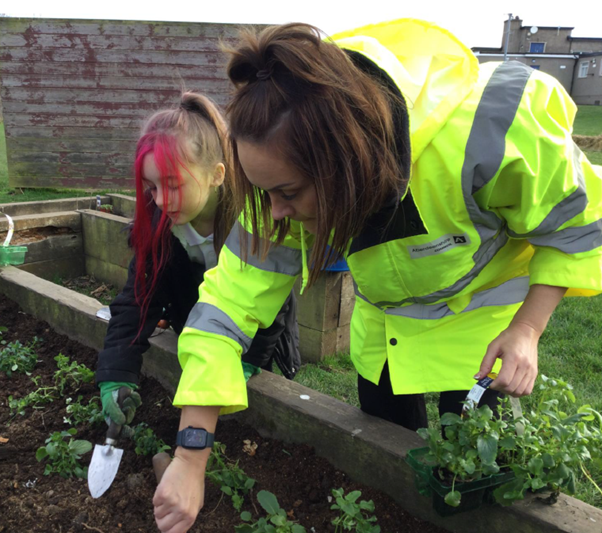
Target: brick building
<point>575,61</point>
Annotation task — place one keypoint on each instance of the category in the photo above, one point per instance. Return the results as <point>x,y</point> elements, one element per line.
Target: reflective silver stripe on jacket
<point>483,156</point>
<point>207,317</point>
<point>280,259</point>
<point>566,209</point>
<point>573,240</point>
<point>511,292</point>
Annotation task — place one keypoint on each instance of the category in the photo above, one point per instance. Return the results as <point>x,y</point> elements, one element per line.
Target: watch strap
<point>209,438</point>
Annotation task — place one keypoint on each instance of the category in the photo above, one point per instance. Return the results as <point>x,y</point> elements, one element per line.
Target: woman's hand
<point>516,346</point>
<point>181,492</point>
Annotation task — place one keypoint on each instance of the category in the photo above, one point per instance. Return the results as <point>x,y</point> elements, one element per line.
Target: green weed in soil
<point>79,414</point>
<point>147,443</point>
<point>354,515</point>
<point>276,520</point>
<point>227,475</point>
<point>35,399</point>
<point>17,357</point>
<point>71,375</point>
<point>63,453</point>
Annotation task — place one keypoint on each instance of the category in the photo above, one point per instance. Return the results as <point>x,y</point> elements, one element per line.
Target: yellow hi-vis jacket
<point>499,198</point>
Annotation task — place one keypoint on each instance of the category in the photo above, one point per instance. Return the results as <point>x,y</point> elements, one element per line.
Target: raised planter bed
<point>75,239</point>
<point>33,502</point>
<point>367,449</point>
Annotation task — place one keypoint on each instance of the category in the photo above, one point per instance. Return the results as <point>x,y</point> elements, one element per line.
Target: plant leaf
<point>453,498</point>
<point>278,520</point>
<point>268,501</point>
<point>536,466</point>
<point>353,496</point>
<point>509,443</point>
<point>448,419</point>
<point>41,454</point>
<point>487,447</point>
<point>80,446</point>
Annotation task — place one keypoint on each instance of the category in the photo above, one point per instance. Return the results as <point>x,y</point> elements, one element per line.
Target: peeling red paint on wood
<point>75,93</point>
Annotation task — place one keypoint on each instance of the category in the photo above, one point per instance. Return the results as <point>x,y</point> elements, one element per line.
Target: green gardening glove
<point>248,370</point>
<point>110,409</point>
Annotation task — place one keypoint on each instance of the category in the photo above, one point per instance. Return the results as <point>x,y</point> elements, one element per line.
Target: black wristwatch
<point>194,438</point>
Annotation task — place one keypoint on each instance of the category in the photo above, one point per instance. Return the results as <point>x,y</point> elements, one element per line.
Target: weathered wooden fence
<point>75,92</point>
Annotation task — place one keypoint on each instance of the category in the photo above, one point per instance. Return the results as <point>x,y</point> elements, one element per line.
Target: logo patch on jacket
<point>438,246</point>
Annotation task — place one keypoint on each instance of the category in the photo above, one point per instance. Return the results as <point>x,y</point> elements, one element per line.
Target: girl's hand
<point>516,346</point>
<point>181,492</point>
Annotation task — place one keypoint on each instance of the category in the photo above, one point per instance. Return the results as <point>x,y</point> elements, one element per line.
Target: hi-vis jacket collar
<point>433,70</point>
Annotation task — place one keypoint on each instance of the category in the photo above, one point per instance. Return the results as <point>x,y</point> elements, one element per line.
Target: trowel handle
<point>160,463</point>
<point>114,429</point>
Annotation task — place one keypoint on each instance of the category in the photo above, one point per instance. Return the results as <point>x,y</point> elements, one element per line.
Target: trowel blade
<point>103,469</point>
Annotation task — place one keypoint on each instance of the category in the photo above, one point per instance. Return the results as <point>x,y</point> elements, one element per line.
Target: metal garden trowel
<point>105,459</point>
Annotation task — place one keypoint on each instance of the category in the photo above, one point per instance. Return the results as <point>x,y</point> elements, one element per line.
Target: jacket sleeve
<point>548,192</point>
<point>279,342</point>
<point>235,299</point>
<point>121,358</point>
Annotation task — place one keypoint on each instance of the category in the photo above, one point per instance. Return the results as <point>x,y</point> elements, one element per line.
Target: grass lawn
<point>594,157</point>
<point>588,120</point>
<point>9,194</point>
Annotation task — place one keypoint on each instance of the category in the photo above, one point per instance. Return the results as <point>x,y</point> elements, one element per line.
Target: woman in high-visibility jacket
<point>453,189</point>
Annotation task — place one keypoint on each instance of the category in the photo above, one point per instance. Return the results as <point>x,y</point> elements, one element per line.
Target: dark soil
<point>33,502</point>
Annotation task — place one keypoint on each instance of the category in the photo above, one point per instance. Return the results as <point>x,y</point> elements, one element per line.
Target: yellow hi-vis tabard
<point>499,199</point>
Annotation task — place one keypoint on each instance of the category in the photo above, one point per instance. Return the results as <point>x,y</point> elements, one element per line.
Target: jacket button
<point>393,342</point>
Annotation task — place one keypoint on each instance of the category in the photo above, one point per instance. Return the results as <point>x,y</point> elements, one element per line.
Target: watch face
<point>195,438</point>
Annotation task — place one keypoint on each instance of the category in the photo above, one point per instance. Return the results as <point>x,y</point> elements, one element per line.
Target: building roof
<point>534,56</point>
<point>585,38</point>
<point>527,27</point>
<point>484,49</point>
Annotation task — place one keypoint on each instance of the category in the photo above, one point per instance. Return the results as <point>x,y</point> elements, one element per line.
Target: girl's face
<point>194,190</point>
<point>292,195</point>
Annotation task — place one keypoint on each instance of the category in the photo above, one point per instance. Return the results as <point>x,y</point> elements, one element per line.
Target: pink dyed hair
<point>194,131</point>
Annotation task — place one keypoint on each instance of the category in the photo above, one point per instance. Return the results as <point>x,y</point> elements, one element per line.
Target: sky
<point>475,22</point>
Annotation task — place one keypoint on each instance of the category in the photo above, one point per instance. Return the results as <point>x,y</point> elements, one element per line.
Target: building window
<point>537,48</point>
<point>536,67</point>
<point>583,68</point>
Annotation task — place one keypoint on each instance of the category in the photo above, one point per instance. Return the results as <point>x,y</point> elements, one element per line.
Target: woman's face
<point>194,189</point>
<point>292,195</point>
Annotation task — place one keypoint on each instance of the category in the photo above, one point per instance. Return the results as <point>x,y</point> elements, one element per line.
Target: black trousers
<point>409,410</point>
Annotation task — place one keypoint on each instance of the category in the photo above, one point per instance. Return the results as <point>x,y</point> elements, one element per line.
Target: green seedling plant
<point>353,515</point>
<point>63,453</point>
<point>147,443</point>
<point>20,358</point>
<point>276,520</point>
<point>36,399</point>
<point>544,449</point>
<point>554,447</point>
<point>71,374</point>
<point>227,475</point>
<point>79,414</point>
<point>472,446</point>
